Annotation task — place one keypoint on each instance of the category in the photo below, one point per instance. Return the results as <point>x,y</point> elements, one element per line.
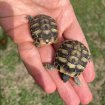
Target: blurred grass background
<point>18,88</point>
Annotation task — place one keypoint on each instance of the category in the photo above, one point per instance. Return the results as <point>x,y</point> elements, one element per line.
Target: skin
<point>12,19</point>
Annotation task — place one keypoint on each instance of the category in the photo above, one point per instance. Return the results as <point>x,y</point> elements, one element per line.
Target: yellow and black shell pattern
<point>71,58</point>
<point>43,29</point>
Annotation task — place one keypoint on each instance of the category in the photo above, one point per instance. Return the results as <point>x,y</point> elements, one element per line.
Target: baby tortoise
<point>43,30</point>
<point>71,59</point>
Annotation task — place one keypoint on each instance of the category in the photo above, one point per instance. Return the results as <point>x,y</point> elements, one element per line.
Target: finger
<point>74,32</point>
<point>89,73</point>
<point>32,61</point>
<point>82,91</point>
<point>65,89</point>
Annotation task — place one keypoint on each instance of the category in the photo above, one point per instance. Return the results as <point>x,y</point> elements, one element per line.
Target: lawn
<point>18,88</point>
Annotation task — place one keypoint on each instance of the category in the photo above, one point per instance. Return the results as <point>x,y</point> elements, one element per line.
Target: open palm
<point>12,18</point>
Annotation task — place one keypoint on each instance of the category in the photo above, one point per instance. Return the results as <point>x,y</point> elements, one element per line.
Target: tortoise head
<point>41,42</point>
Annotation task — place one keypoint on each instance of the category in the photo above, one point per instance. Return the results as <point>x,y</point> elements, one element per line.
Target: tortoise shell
<point>71,58</point>
<point>43,29</point>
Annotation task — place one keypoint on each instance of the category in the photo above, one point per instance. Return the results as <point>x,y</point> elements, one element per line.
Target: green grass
<point>10,58</point>
<point>48,100</point>
<point>91,17</point>
<point>18,88</point>
<point>3,40</point>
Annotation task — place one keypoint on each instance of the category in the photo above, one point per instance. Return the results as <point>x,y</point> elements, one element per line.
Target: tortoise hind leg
<point>77,81</point>
<point>64,77</point>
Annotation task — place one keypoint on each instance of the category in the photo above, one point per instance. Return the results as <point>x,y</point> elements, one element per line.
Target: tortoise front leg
<point>48,66</point>
<point>64,77</point>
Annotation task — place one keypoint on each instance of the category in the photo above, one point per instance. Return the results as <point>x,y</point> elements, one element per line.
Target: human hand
<point>12,18</point>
